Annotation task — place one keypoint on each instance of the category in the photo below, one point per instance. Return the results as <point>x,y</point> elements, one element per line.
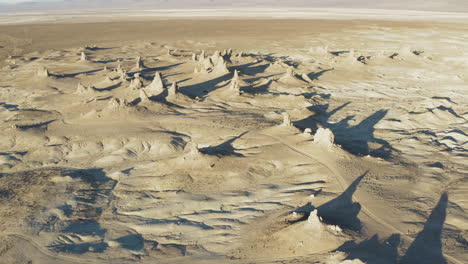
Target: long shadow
<point>316,75</point>
<point>86,227</point>
<point>254,79</point>
<point>305,210</point>
<point>132,242</point>
<point>259,89</point>
<point>204,88</point>
<point>162,98</point>
<point>110,88</point>
<point>312,94</point>
<point>342,211</point>
<point>339,52</point>
<point>10,107</point>
<point>320,116</point>
<point>427,246</point>
<point>354,139</point>
<point>81,248</point>
<point>71,75</point>
<point>99,48</point>
<point>372,251</point>
<point>250,69</point>
<point>179,221</point>
<point>155,69</point>
<point>40,125</point>
<point>224,149</point>
<point>106,61</point>
<point>95,177</point>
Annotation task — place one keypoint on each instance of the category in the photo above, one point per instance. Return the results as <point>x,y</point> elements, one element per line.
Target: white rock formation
<point>216,57</point>
<point>119,69</point>
<point>191,148</point>
<point>290,72</point>
<point>83,56</point>
<point>144,97</point>
<point>173,90</point>
<point>351,57</point>
<point>287,120</point>
<point>42,72</point>
<point>319,50</point>
<point>235,84</point>
<point>123,76</point>
<point>136,83</point>
<point>220,67</point>
<point>157,86</point>
<point>81,89</point>
<point>139,63</point>
<point>324,137</point>
<point>214,64</point>
<point>306,78</point>
<point>314,224</point>
<point>405,51</point>
<point>207,64</point>
<point>236,75</point>
<point>118,104</point>
<point>202,56</point>
<point>290,78</point>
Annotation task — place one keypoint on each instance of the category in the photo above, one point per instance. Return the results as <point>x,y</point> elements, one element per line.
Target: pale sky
<point>19,1</point>
<point>433,5</point>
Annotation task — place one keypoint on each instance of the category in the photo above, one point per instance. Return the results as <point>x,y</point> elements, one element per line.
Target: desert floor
<point>234,141</point>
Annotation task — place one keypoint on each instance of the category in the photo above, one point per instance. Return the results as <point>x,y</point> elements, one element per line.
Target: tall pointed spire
<point>156,86</point>
<point>287,120</point>
<point>139,62</point>
<point>220,67</point>
<point>143,96</point>
<point>235,83</point>
<point>173,90</point>
<point>83,56</point>
<point>202,56</point>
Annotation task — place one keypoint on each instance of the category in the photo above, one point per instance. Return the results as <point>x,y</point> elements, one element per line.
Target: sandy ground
<point>238,141</point>
<point>252,13</point>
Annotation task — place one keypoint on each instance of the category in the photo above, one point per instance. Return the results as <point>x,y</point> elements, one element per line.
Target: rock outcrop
<point>42,72</point>
<point>287,120</point>
<point>136,83</point>
<point>139,63</point>
<point>83,57</point>
<point>157,86</point>
<point>291,78</point>
<point>324,137</point>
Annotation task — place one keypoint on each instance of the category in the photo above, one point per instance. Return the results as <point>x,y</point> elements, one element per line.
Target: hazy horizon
<point>79,5</point>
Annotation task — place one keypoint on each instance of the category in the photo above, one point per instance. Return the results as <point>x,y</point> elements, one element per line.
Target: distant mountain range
<point>432,5</point>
